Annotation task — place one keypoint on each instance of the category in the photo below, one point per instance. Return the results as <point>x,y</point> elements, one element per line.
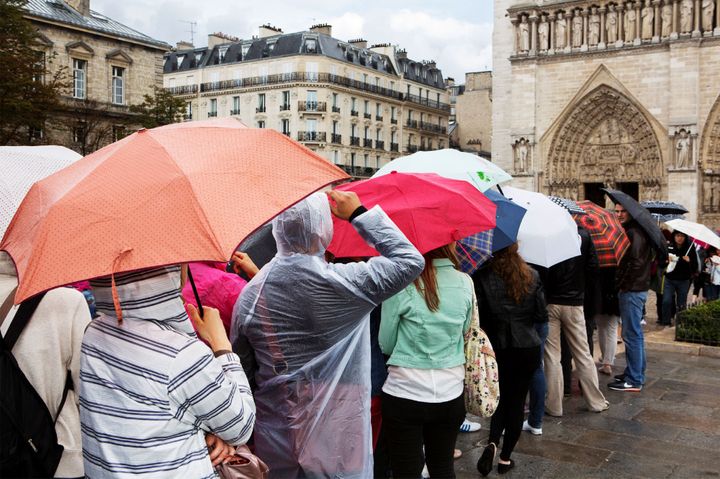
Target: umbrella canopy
<point>607,234</point>
<point>180,193</point>
<point>664,207</point>
<point>451,164</point>
<point>547,234</point>
<point>696,231</point>
<point>643,218</point>
<point>432,211</point>
<point>474,250</point>
<point>20,167</point>
<point>661,218</point>
<point>508,217</point>
<point>568,204</point>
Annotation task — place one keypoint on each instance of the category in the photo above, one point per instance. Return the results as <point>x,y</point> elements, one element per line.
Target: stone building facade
<point>358,107</point>
<point>472,106</point>
<point>591,94</point>
<point>108,67</point>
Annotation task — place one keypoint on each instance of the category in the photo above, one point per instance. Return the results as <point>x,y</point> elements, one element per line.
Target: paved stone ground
<point>669,430</point>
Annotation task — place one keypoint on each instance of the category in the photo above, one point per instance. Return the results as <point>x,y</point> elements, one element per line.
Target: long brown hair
<point>426,283</point>
<point>514,272</point>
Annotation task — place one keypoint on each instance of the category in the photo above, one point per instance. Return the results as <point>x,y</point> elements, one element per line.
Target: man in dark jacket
<point>565,291</point>
<point>633,281</point>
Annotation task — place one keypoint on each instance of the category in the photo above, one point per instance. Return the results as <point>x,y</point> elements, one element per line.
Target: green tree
<point>29,92</point>
<point>161,108</point>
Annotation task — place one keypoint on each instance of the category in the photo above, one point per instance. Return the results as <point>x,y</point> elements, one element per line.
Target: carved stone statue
<point>594,28</point>
<point>708,9</point>
<point>682,145</point>
<point>611,25</point>
<point>648,15</point>
<point>524,35</point>
<point>577,31</point>
<point>686,16</point>
<point>560,28</point>
<point>708,193</point>
<point>666,16</point>
<point>630,25</point>
<point>543,31</point>
<point>521,152</point>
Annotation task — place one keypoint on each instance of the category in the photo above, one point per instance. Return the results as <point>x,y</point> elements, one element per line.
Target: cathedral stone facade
<point>593,94</point>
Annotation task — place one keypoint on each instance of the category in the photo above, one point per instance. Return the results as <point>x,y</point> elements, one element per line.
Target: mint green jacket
<point>415,337</point>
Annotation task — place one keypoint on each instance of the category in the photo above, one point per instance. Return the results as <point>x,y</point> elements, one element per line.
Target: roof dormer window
<point>179,59</point>
<point>222,50</point>
<point>310,45</point>
<point>244,49</point>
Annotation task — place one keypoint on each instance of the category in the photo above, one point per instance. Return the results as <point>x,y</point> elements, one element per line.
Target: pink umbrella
<point>431,210</point>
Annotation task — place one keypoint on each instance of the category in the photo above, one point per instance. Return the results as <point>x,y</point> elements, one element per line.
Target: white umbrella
<point>547,234</point>
<point>483,174</point>
<point>21,167</point>
<point>696,231</point>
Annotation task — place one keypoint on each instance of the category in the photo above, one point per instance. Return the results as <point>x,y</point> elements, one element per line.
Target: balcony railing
<point>411,124</point>
<point>353,113</point>
<point>354,141</point>
<point>433,127</point>
<point>367,116</point>
<point>260,109</point>
<point>212,114</point>
<point>183,89</point>
<point>235,112</point>
<point>312,106</point>
<point>367,142</point>
<point>378,117</point>
<point>394,147</point>
<point>336,109</point>
<point>187,117</point>
<point>285,107</point>
<point>311,136</point>
<point>427,102</point>
<point>412,148</point>
<point>393,121</point>
<point>379,145</point>
<point>335,138</point>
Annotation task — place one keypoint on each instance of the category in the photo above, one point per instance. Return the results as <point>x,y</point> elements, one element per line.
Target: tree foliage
<point>29,92</point>
<point>161,108</point>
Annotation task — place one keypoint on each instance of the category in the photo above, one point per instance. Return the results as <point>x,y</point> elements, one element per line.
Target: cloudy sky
<point>454,33</point>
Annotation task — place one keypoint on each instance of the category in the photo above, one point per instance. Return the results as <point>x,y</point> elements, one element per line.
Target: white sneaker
<point>535,431</point>
<point>469,426</point>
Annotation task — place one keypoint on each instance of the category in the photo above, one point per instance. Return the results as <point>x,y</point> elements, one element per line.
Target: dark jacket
<point>509,324</point>
<point>684,270</point>
<point>565,283</point>
<point>633,272</point>
<point>608,292</point>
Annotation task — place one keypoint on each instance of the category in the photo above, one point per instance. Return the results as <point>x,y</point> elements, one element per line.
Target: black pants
<point>408,425</point>
<point>515,368</point>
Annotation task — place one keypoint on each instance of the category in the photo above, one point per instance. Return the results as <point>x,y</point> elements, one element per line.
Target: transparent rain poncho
<point>301,326</point>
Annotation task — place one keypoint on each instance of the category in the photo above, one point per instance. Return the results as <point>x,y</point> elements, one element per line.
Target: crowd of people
<point>331,368</point>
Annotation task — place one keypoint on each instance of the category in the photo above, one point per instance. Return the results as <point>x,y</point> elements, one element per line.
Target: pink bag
<point>244,465</point>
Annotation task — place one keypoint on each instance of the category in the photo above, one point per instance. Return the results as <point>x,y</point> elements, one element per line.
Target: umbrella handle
<point>195,292</point>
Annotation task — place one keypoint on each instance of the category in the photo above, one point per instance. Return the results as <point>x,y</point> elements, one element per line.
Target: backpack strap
<point>21,319</point>
<point>68,387</point>
<point>7,305</point>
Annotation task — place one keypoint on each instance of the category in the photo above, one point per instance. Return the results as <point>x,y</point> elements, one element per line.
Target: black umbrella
<point>664,207</point>
<point>260,246</point>
<point>643,218</point>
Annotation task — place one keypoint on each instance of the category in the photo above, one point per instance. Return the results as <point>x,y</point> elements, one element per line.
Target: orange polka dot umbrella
<point>607,234</point>
<point>179,193</point>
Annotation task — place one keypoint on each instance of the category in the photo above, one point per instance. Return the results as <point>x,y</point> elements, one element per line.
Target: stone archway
<point>709,195</point>
<point>604,138</point>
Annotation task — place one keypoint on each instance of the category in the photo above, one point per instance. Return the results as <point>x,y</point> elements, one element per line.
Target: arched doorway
<point>604,140</point>
<point>709,196</point>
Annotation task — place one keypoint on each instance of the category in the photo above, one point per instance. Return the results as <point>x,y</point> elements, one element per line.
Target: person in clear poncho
<point>301,327</point>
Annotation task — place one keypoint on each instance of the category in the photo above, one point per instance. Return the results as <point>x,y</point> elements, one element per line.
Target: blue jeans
<point>711,291</point>
<point>631,308</point>
<point>674,288</point>
<point>538,387</point>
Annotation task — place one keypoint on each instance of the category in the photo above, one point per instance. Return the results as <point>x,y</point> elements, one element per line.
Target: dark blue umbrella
<point>509,215</point>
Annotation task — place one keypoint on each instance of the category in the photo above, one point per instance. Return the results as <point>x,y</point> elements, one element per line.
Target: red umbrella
<point>431,210</point>
<point>606,232</point>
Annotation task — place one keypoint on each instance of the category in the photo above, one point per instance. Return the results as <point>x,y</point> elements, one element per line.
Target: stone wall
<point>474,113</point>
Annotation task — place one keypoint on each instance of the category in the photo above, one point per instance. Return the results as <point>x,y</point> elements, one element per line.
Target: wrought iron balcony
<point>394,147</point>
<point>354,141</point>
<point>235,112</point>
<point>379,145</point>
<point>335,138</point>
<point>353,113</point>
<point>367,143</point>
<point>378,117</point>
<point>212,114</point>
<point>367,116</point>
<point>336,109</point>
<point>311,136</point>
<point>260,109</point>
<point>285,107</point>
<point>393,121</point>
<point>412,148</point>
<point>312,106</point>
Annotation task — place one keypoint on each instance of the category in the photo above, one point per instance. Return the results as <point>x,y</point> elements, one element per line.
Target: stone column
<point>696,20</point>
<point>638,23</point>
<point>675,21</point>
<point>620,25</point>
<point>584,45</point>
<point>716,31</point>
<point>533,33</point>
<point>658,21</point>
<point>516,33</point>
<point>602,11</point>
<point>551,23</point>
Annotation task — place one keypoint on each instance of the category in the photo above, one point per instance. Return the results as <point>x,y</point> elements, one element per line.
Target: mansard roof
<point>59,11</point>
<point>298,43</point>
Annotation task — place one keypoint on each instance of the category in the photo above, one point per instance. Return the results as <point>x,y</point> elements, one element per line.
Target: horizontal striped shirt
<point>150,390</point>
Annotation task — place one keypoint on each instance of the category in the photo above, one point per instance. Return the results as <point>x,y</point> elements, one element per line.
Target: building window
<point>119,132</point>
<point>334,127</point>
<point>285,100</point>
<point>285,126</point>
<point>366,160</point>
<point>378,134</point>
<point>79,133</point>
<point>336,157</point>
<point>392,113</point>
<point>79,79</point>
<point>311,101</point>
<point>352,160</point>
<point>261,124</point>
<point>335,99</point>
<point>212,112</point>
<point>261,103</point>
<point>311,70</point>
<point>236,106</point>
<point>118,85</point>
<point>188,110</point>
<point>35,133</point>
<point>438,97</point>
<point>408,90</point>
<point>367,107</point>
<point>310,45</point>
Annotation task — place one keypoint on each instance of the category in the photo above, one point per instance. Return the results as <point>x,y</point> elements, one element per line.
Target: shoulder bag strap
<point>7,305</point>
<point>21,319</point>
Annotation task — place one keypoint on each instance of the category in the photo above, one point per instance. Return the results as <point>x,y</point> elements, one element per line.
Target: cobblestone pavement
<point>669,430</point>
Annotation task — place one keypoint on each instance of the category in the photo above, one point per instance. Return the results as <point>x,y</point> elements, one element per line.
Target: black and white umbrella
<point>568,204</point>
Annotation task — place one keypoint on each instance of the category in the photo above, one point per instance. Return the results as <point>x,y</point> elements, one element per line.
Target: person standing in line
<point>510,302</point>
<point>712,266</point>
<point>632,280</point>
<point>565,288</point>
<point>678,278</point>
<point>607,319</point>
